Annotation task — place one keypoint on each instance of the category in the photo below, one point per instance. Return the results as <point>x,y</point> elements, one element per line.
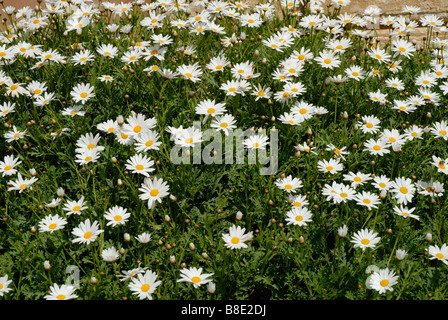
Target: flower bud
<point>172,259</point>
<point>400,254</point>
<point>120,120</point>
<point>127,237</point>
<point>239,215</point>
<point>47,265</point>
<point>211,287</point>
<point>342,231</point>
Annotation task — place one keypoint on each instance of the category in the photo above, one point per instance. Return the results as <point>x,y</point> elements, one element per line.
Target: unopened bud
<point>211,287</point>
<point>47,265</point>
<point>120,120</point>
<point>60,192</point>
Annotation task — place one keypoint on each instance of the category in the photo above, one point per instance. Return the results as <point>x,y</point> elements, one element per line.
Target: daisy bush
<point>95,96</point>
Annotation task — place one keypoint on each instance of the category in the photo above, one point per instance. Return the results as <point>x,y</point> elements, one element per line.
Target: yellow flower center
<point>149,143</point>
<point>137,129</point>
<point>22,186</point>
<point>402,49</point>
<point>88,235</point>
<point>376,148</point>
<point>154,192</point>
<point>442,132</point>
<point>196,279</point>
<point>14,87</point>
<point>60,297</point>
<point>89,158</point>
<point>124,136</point>
<point>7,168</point>
<point>139,167</point>
<point>288,186</point>
<point>357,179</point>
<point>366,201</point>
<point>382,185</point>
<point>235,240</point>
<point>83,95</point>
<point>299,218</point>
<point>117,218</point>
<point>145,287</point>
<point>52,226</point>
<point>441,166</point>
<point>343,195</point>
<point>440,256</point>
<point>189,140</point>
<point>403,190</point>
<point>256,145</point>
<point>211,110</point>
<point>189,75</point>
<point>250,21</point>
<point>365,241</point>
<point>327,61</point>
<point>223,125</point>
<point>369,125</point>
<point>384,283</point>
<point>329,168</point>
